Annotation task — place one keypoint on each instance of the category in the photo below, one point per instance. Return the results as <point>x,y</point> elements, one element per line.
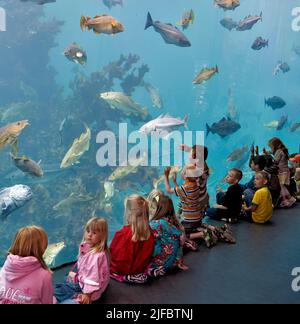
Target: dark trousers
<point>218,214</point>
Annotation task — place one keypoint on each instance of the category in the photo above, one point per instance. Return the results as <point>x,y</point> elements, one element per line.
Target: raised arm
<point>167,181</point>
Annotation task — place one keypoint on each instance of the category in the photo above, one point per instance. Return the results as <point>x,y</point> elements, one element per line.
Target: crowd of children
<point>154,236</point>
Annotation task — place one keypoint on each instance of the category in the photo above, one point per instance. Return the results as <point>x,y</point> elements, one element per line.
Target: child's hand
<point>182,147</point>
<point>256,150</point>
<point>167,172</point>
<point>252,150</point>
<point>219,189</point>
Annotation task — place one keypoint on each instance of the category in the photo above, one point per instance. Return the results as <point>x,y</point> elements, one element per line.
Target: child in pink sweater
<point>25,278</point>
<point>92,276</point>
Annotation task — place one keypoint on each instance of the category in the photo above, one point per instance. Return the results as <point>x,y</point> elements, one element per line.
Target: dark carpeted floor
<point>258,269</point>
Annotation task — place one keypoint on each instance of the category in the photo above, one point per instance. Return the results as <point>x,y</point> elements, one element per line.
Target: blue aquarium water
<point>59,96</point>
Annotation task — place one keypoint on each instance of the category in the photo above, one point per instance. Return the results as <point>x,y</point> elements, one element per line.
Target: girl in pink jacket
<point>25,278</point>
<point>91,278</point>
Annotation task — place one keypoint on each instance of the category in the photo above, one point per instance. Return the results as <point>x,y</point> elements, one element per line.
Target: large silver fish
<point>13,198</point>
<point>51,253</point>
<point>163,125</point>
<point>248,22</point>
<point>170,33</point>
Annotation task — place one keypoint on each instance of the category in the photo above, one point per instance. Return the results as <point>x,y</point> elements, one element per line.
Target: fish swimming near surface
<point>125,104</point>
<point>187,18</point>
<point>52,252</point>
<point>275,102</point>
<point>103,24</point>
<point>248,22</point>
<point>227,4</point>
<point>155,95</point>
<point>281,123</point>
<point>78,148</point>
<point>223,128</point>
<point>205,74</point>
<point>163,125</point>
<point>76,54</point>
<point>228,23</point>
<point>260,43</point>
<point>28,166</point>
<point>9,134</point>
<point>13,198</point>
<point>272,124</point>
<point>295,127</point>
<point>111,3</point>
<point>170,33</point>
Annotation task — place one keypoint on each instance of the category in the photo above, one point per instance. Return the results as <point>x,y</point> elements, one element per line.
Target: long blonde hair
<point>30,241</point>
<point>137,215</point>
<point>97,224</point>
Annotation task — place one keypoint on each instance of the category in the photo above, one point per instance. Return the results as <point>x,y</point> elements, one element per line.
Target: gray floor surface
<point>258,269</point>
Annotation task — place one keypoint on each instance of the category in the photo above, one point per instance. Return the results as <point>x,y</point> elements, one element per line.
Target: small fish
<point>228,23</point>
<point>275,102</point>
<point>155,95</point>
<point>205,74</point>
<point>223,128</point>
<point>170,33</point>
<point>111,3</point>
<point>104,24</point>
<point>9,134</point>
<point>259,43</point>
<point>294,127</point>
<point>78,148</point>
<point>28,166</point>
<point>75,54</point>
<point>61,129</point>
<point>51,253</point>
<point>237,154</point>
<point>282,122</point>
<point>272,124</point>
<point>281,67</point>
<point>187,18</point>
<point>227,4</point>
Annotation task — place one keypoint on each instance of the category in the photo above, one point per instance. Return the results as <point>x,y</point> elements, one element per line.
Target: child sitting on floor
<point>92,276</point>
<point>132,247</point>
<point>229,205</point>
<point>261,209</point>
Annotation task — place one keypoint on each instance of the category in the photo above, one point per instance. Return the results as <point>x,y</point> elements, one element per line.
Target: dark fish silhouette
<point>282,122</point>
<point>294,127</point>
<point>223,128</point>
<point>170,33</point>
<point>275,102</point>
<point>259,43</point>
<point>75,54</point>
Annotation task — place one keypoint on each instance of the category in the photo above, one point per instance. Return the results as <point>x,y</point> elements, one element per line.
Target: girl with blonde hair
<point>132,247</point>
<point>25,278</point>
<point>91,278</point>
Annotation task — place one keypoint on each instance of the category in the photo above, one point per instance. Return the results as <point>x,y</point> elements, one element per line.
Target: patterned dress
<point>167,244</point>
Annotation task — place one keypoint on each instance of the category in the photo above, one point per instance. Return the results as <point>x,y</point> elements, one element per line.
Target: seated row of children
<point>152,241</point>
